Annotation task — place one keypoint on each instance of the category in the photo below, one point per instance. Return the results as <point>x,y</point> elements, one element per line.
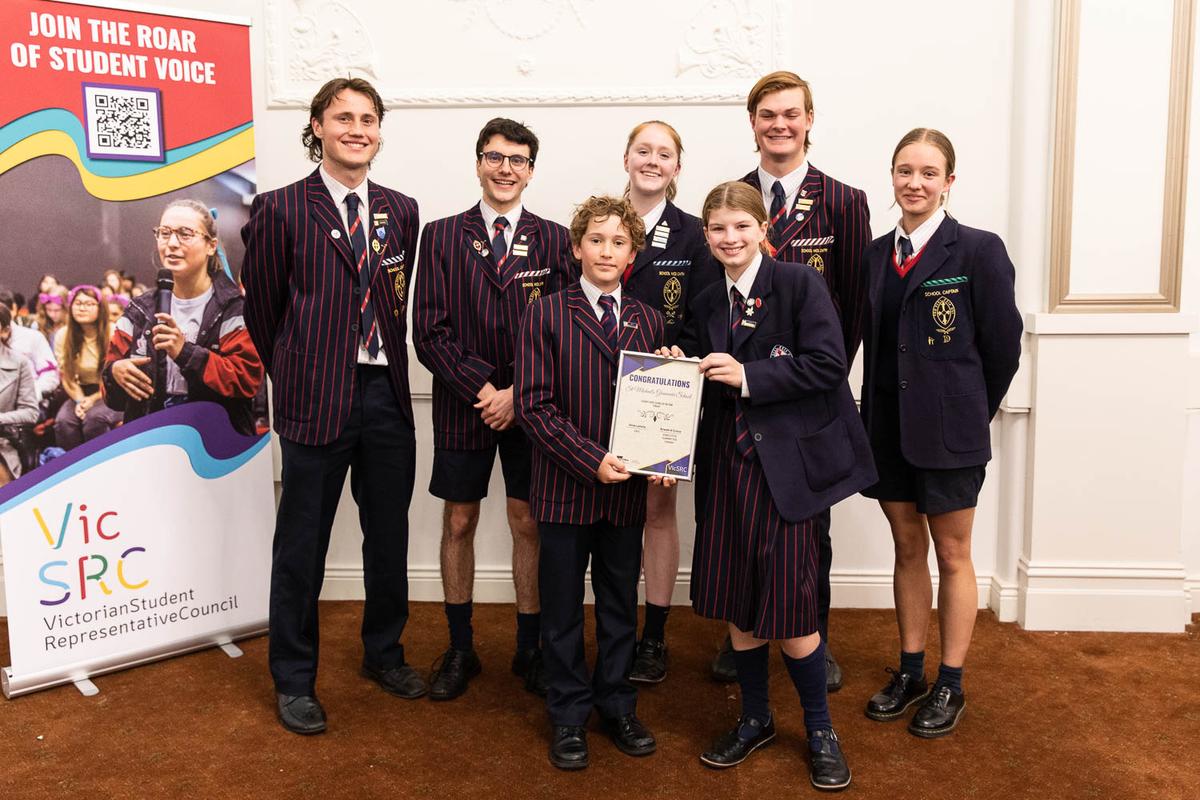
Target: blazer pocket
<point>945,324</point>
<point>965,422</point>
<point>296,391</point>
<point>827,454</point>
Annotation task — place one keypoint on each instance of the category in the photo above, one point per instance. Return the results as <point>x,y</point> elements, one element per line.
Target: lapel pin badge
<point>335,233</point>
<point>478,245</point>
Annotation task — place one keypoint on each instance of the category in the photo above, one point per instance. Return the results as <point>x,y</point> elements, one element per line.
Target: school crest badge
<point>780,351</point>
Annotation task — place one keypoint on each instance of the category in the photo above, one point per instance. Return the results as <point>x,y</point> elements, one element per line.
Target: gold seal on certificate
<point>656,414</point>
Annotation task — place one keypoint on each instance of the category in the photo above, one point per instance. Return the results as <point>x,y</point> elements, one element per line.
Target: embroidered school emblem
<point>399,284</point>
<point>944,314</point>
<point>672,291</point>
<point>534,295</point>
<point>779,351</point>
<point>817,263</point>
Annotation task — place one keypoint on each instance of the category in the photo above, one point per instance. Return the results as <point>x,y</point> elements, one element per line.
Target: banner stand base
<point>232,650</point>
<point>86,687</point>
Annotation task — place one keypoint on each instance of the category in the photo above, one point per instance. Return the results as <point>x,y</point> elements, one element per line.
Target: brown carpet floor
<point>1049,716</point>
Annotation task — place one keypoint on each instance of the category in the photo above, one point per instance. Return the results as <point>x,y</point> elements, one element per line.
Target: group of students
<point>521,323</point>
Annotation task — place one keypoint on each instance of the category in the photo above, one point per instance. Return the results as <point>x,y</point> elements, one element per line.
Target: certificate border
<point>612,428</point>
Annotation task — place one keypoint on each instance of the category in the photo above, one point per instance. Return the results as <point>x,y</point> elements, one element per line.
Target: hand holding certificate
<point>656,414</point>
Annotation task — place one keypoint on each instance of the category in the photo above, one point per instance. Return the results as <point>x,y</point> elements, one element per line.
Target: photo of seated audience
<point>18,401</point>
<point>80,349</point>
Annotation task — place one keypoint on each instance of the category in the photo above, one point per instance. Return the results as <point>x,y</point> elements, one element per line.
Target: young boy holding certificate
<point>587,505</point>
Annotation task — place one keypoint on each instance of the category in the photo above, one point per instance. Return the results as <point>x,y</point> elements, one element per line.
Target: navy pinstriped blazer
<point>668,278</point>
<point>806,429</point>
<point>565,386</point>
<point>466,312</point>
<point>302,301</point>
<point>830,236</point>
<point>959,343</point>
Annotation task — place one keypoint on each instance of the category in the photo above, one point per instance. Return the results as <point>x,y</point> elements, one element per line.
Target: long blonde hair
<point>672,187</point>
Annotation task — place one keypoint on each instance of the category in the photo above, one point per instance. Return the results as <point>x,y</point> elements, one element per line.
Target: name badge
<point>630,324</point>
<point>746,323</point>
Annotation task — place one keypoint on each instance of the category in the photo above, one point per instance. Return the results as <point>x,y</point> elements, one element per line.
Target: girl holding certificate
<point>942,344</point>
<point>668,272</point>
<point>780,440</point>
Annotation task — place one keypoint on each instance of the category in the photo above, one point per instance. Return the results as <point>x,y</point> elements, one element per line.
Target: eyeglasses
<point>494,160</point>
<point>185,235</point>
<point>84,305</point>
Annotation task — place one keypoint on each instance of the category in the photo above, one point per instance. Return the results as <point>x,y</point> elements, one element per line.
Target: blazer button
<point>903,348</point>
<point>758,437</point>
<point>903,384</point>
<point>354,327</point>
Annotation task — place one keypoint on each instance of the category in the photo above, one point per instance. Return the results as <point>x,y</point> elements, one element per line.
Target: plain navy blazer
<point>800,413</point>
<point>958,347</point>
<point>466,312</point>
<point>673,267</point>
<point>566,377</point>
<point>303,299</point>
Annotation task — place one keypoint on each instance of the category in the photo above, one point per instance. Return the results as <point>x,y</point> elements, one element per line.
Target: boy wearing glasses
<point>478,272</point>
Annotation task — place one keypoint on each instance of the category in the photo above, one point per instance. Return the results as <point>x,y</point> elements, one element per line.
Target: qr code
<point>123,122</point>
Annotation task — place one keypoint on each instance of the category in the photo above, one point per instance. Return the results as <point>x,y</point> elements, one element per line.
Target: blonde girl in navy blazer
<point>667,274</point>
<point>942,344</point>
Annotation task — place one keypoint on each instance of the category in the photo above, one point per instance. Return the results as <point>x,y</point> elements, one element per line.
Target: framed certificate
<point>656,414</point>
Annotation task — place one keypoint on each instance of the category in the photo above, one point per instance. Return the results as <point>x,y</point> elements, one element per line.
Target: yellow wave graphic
<point>235,150</point>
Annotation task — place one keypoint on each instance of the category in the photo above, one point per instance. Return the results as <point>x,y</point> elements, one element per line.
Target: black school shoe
<point>300,714</point>
<point>569,747</point>
<point>833,672</point>
<point>451,676</point>
<point>724,668</point>
<point>898,696</point>
<point>649,662</point>
<point>735,746</point>
<point>828,764</point>
<point>630,736</point>
<point>939,714</point>
<point>528,664</point>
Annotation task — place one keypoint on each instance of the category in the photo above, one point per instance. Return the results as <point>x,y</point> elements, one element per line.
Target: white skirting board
<point>850,590</point>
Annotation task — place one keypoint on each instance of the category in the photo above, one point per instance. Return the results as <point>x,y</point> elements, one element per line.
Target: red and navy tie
<point>499,246</point>
<point>737,309</point>
<point>608,319</point>
<point>778,215</point>
<point>358,241</point>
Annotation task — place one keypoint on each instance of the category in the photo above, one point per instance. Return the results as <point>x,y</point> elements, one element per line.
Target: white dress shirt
<point>592,292</point>
<point>791,185</point>
<point>921,236</point>
<point>744,284</point>
<point>490,215</point>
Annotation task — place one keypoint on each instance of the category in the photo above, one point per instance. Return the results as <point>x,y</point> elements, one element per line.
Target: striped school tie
<point>358,241</point>
<point>778,217</point>
<point>499,245</point>
<point>608,319</point>
<point>737,309</point>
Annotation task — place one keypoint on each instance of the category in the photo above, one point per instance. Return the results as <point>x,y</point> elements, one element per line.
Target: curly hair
<point>600,208</point>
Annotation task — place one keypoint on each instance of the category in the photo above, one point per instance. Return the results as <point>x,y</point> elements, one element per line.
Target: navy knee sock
<point>752,677</point>
<point>529,631</point>
<point>913,663</point>
<point>461,634</point>
<point>808,676</point>
<point>950,676</point>
<point>656,622</point>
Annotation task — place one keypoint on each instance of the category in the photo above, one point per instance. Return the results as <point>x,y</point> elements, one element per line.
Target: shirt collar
<point>592,293</point>
<point>745,283</point>
<point>338,191</point>
<point>791,182</point>
<point>654,215</point>
<point>490,215</point>
<point>923,233</point>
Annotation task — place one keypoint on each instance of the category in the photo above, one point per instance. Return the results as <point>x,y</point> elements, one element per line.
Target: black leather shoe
<point>302,714</point>
<point>649,662</point>
<point>568,747</point>
<point>734,747</point>
<point>833,672</point>
<point>939,714</point>
<point>898,696</point>
<point>402,681</point>
<point>630,736</point>
<point>528,664</point>
<point>452,672</point>
<point>829,770</point>
<point>724,668</point>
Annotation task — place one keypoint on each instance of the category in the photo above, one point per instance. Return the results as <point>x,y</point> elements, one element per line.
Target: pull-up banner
<point>152,539</point>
